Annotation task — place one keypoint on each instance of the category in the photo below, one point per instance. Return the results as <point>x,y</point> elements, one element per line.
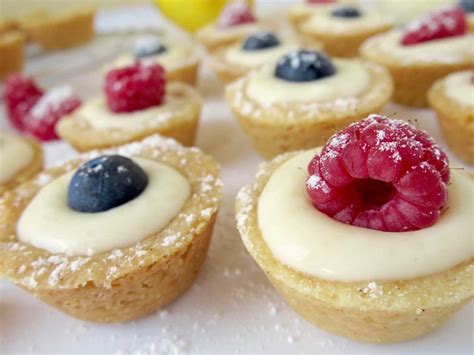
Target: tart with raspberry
<point>343,28</point>
<point>177,57</point>
<point>299,101</point>
<point>235,22</point>
<point>112,235</point>
<point>368,237</point>
<point>428,49</point>
<point>232,62</point>
<point>21,157</point>
<point>452,98</point>
<point>137,102</point>
<point>35,111</point>
<point>300,11</point>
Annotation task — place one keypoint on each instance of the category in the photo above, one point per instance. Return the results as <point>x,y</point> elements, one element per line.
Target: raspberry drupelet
<point>381,174</point>
<point>234,14</point>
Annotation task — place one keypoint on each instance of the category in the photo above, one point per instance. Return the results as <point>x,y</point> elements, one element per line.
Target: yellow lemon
<point>191,14</point>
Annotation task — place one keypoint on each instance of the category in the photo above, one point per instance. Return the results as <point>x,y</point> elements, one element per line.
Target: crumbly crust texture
<point>181,126</point>
<point>123,283</point>
<point>30,170</point>
<point>457,122</point>
<point>282,127</point>
<point>373,310</point>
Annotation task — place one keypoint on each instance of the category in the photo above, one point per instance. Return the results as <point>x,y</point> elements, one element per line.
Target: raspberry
<point>135,87</point>
<point>445,22</point>
<point>43,116</point>
<point>234,14</point>
<point>20,94</point>
<point>380,174</point>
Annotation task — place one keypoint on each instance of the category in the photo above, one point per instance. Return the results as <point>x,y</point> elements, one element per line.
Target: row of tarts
<point>122,230</point>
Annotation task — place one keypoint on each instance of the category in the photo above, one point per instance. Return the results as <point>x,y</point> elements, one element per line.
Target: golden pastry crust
<point>30,170</point>
<point>124,283</point>
<point>186,74</point>
<point>457,121</point>
<point>381,311</point>
<point>61,30</point>
<point>228,72</point>
<point>11,53</point>
<point>341,44</point>
<point>412,80</point>
<point>279,128</point>
<point>182,126</point>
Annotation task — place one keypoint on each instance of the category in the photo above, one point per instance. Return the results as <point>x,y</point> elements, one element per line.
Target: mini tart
<point>415,68</point>
<point>181,61</point>
<point>212,37</point>
<point>12,55</point>
<point>229,65</point>
<point>456,118</point>
<point>285,126</point>
<point>382,311</point>
<point>128,282</point>
<point>60,30</point>
<point>178,120</point>
<point>342,37</point>
<point>29,169</point>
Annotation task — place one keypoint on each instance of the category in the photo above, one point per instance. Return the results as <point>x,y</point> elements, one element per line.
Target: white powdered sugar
<point>51,100</point>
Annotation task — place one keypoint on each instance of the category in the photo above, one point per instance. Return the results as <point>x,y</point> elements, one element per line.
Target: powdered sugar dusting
<point>51,100</point>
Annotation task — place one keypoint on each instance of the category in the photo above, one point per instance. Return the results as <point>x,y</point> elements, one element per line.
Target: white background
<point>231,308</point>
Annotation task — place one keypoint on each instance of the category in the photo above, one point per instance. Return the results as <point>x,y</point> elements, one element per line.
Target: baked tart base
<point>30,170</point>
<point>279,128</point>
<point>79,133</point>
<point>186,74</point>
<point>412,81</point>
<point>124,283</point>
<point>385,311</point>
<point>456,121</point>
<point>11,53</point>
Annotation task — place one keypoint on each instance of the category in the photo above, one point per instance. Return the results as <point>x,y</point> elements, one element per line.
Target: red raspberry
<point>43,116</point>
<point>135,87</point>
<point>380,174</point>
<point>20,94</point>
<point>445,22</point>
<point>235,13</point>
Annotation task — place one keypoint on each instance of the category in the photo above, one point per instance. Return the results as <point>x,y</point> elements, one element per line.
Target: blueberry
<point>147,47</point>
<point>304,65</point>
<point>104,183</point>
<point>346,12</point>
<point>467,5</point>
<point>260,40</point>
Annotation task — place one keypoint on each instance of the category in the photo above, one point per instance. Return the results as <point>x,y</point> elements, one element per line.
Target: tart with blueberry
<point>137,103</point>
<point>178,58</point>
<point>21,157</point>
<point>234,23</point>
<point>301,100</point>
<point>452,98</point>
<point>428,49</point>
<point>368,237</point>
<point>468,7</point>
<point>112,235</point>
<point>343,28</point>
<point>300,11</point>
<point>234,61</point>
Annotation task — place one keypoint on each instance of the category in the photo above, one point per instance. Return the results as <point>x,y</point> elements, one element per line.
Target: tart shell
<point>30,170</point>
<point>456,121</point>
<point>186,74</point>
<point>412,80</point>
<point>279,128</point>
<point>11,53</point>
<point>79,133</point>
<point>124,283</point>
<point>391,311</point>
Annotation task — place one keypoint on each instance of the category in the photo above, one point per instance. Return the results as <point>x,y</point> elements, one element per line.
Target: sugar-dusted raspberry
<point>441,23</point>
<point>55,104</point>
<point>135,87</point>
<point>20,94</point>
<point>235,13</point>
<point>380,174</point>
